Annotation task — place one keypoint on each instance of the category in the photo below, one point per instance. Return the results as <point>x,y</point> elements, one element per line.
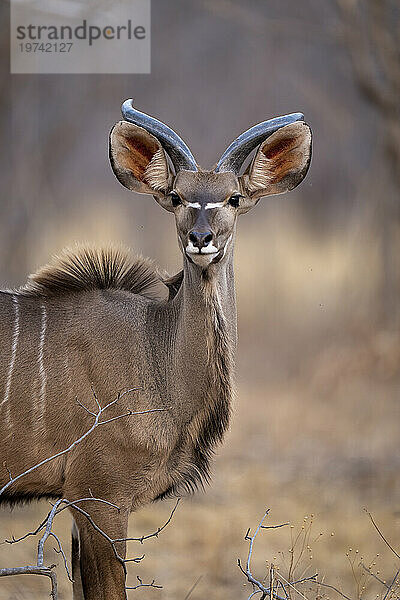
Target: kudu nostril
<point>200,238</point>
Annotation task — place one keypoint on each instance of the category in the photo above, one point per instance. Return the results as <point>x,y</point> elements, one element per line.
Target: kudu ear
<point>138,160</point>
<point>280,163</point>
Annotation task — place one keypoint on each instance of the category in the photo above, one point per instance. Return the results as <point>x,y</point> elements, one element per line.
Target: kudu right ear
<point>138,160</point>
<point>280,163</point>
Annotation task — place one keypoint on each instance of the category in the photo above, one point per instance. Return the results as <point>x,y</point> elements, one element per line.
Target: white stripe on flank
<point>42,372</point>
<point>14,345</point>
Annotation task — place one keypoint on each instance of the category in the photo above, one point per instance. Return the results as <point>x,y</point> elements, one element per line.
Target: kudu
<point>89,322</point>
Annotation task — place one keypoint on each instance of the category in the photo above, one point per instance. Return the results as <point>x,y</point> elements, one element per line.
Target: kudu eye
<point>234,200</point>
<point>175,199</point>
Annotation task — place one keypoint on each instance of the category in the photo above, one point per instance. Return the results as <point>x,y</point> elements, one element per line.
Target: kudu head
<point>148,157</point>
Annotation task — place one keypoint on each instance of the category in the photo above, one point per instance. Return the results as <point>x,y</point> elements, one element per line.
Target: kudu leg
<point>77,590</point>
<point>102,575</point>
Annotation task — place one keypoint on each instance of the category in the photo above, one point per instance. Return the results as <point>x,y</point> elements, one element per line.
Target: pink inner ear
<point>137,150</point>
<point>285,156</point>
<point>280,146</point>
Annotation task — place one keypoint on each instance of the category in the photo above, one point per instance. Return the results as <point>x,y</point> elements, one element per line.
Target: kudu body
<point>88,322</point>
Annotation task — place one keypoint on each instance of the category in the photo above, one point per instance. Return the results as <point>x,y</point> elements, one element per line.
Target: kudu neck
<point>203,288</point>
<point>217,281</point>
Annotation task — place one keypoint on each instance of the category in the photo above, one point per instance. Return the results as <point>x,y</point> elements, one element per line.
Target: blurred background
<point>316,428</point>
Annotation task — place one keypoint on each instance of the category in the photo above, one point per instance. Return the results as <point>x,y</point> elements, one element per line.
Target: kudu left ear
<point>138,159</point>
<point>280,163</point>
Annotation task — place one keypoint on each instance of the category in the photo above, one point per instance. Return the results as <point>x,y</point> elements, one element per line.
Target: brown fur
<point>173,284</point>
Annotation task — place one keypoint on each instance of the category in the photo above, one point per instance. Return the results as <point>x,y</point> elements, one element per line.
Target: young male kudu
<point>90,321</point>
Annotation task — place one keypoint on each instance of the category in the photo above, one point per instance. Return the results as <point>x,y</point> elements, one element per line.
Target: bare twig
<point>35,570</point>
<point>285,584</point>
<point>96,423</point>
<point>371,574</point>
<point>155,533</point>
<point>332,587</point>
<point>142,585</point>
<point>247,570</point>
<point>60,505</point>
<point>312,578</point>
<point>388,544</point>
<point>40,568</point>
<point>47,524</point>
<point>194,586</point>
<point>61,551</point>
<point>391,584</point>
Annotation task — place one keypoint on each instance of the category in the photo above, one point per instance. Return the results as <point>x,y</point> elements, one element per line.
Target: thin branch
<point>368,570</point>
<point>66,504</point>
<point>35,570</point>
<point>286,584</point>
<point>284,589</point>
<point>391,585</point>
<point>47,524</point>
<point>332,587</point>
<point>96,423</point>
<point>155,533</point>
<point>115,541</point>
<point>194,586</point>
<point>142,585</point>
<point>254,594</point>
<point>61,551</point>
<point>273,526</point>
<point>62,504</point>
<point>130,413</point>
<point>247,570</point>
<point>292,585</point>
<point>47,531</point>
<point>388,544</point>
<point>101,532</point>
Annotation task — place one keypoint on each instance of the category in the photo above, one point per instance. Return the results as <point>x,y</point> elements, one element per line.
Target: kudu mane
<point>86,268</point>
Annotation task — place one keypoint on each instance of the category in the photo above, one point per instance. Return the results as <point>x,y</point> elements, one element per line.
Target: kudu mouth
<point>202,256</point>
<point>203,259</point>
<point>208,255</point>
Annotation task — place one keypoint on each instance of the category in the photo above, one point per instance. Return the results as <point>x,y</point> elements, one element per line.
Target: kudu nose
<point>200,239</point>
